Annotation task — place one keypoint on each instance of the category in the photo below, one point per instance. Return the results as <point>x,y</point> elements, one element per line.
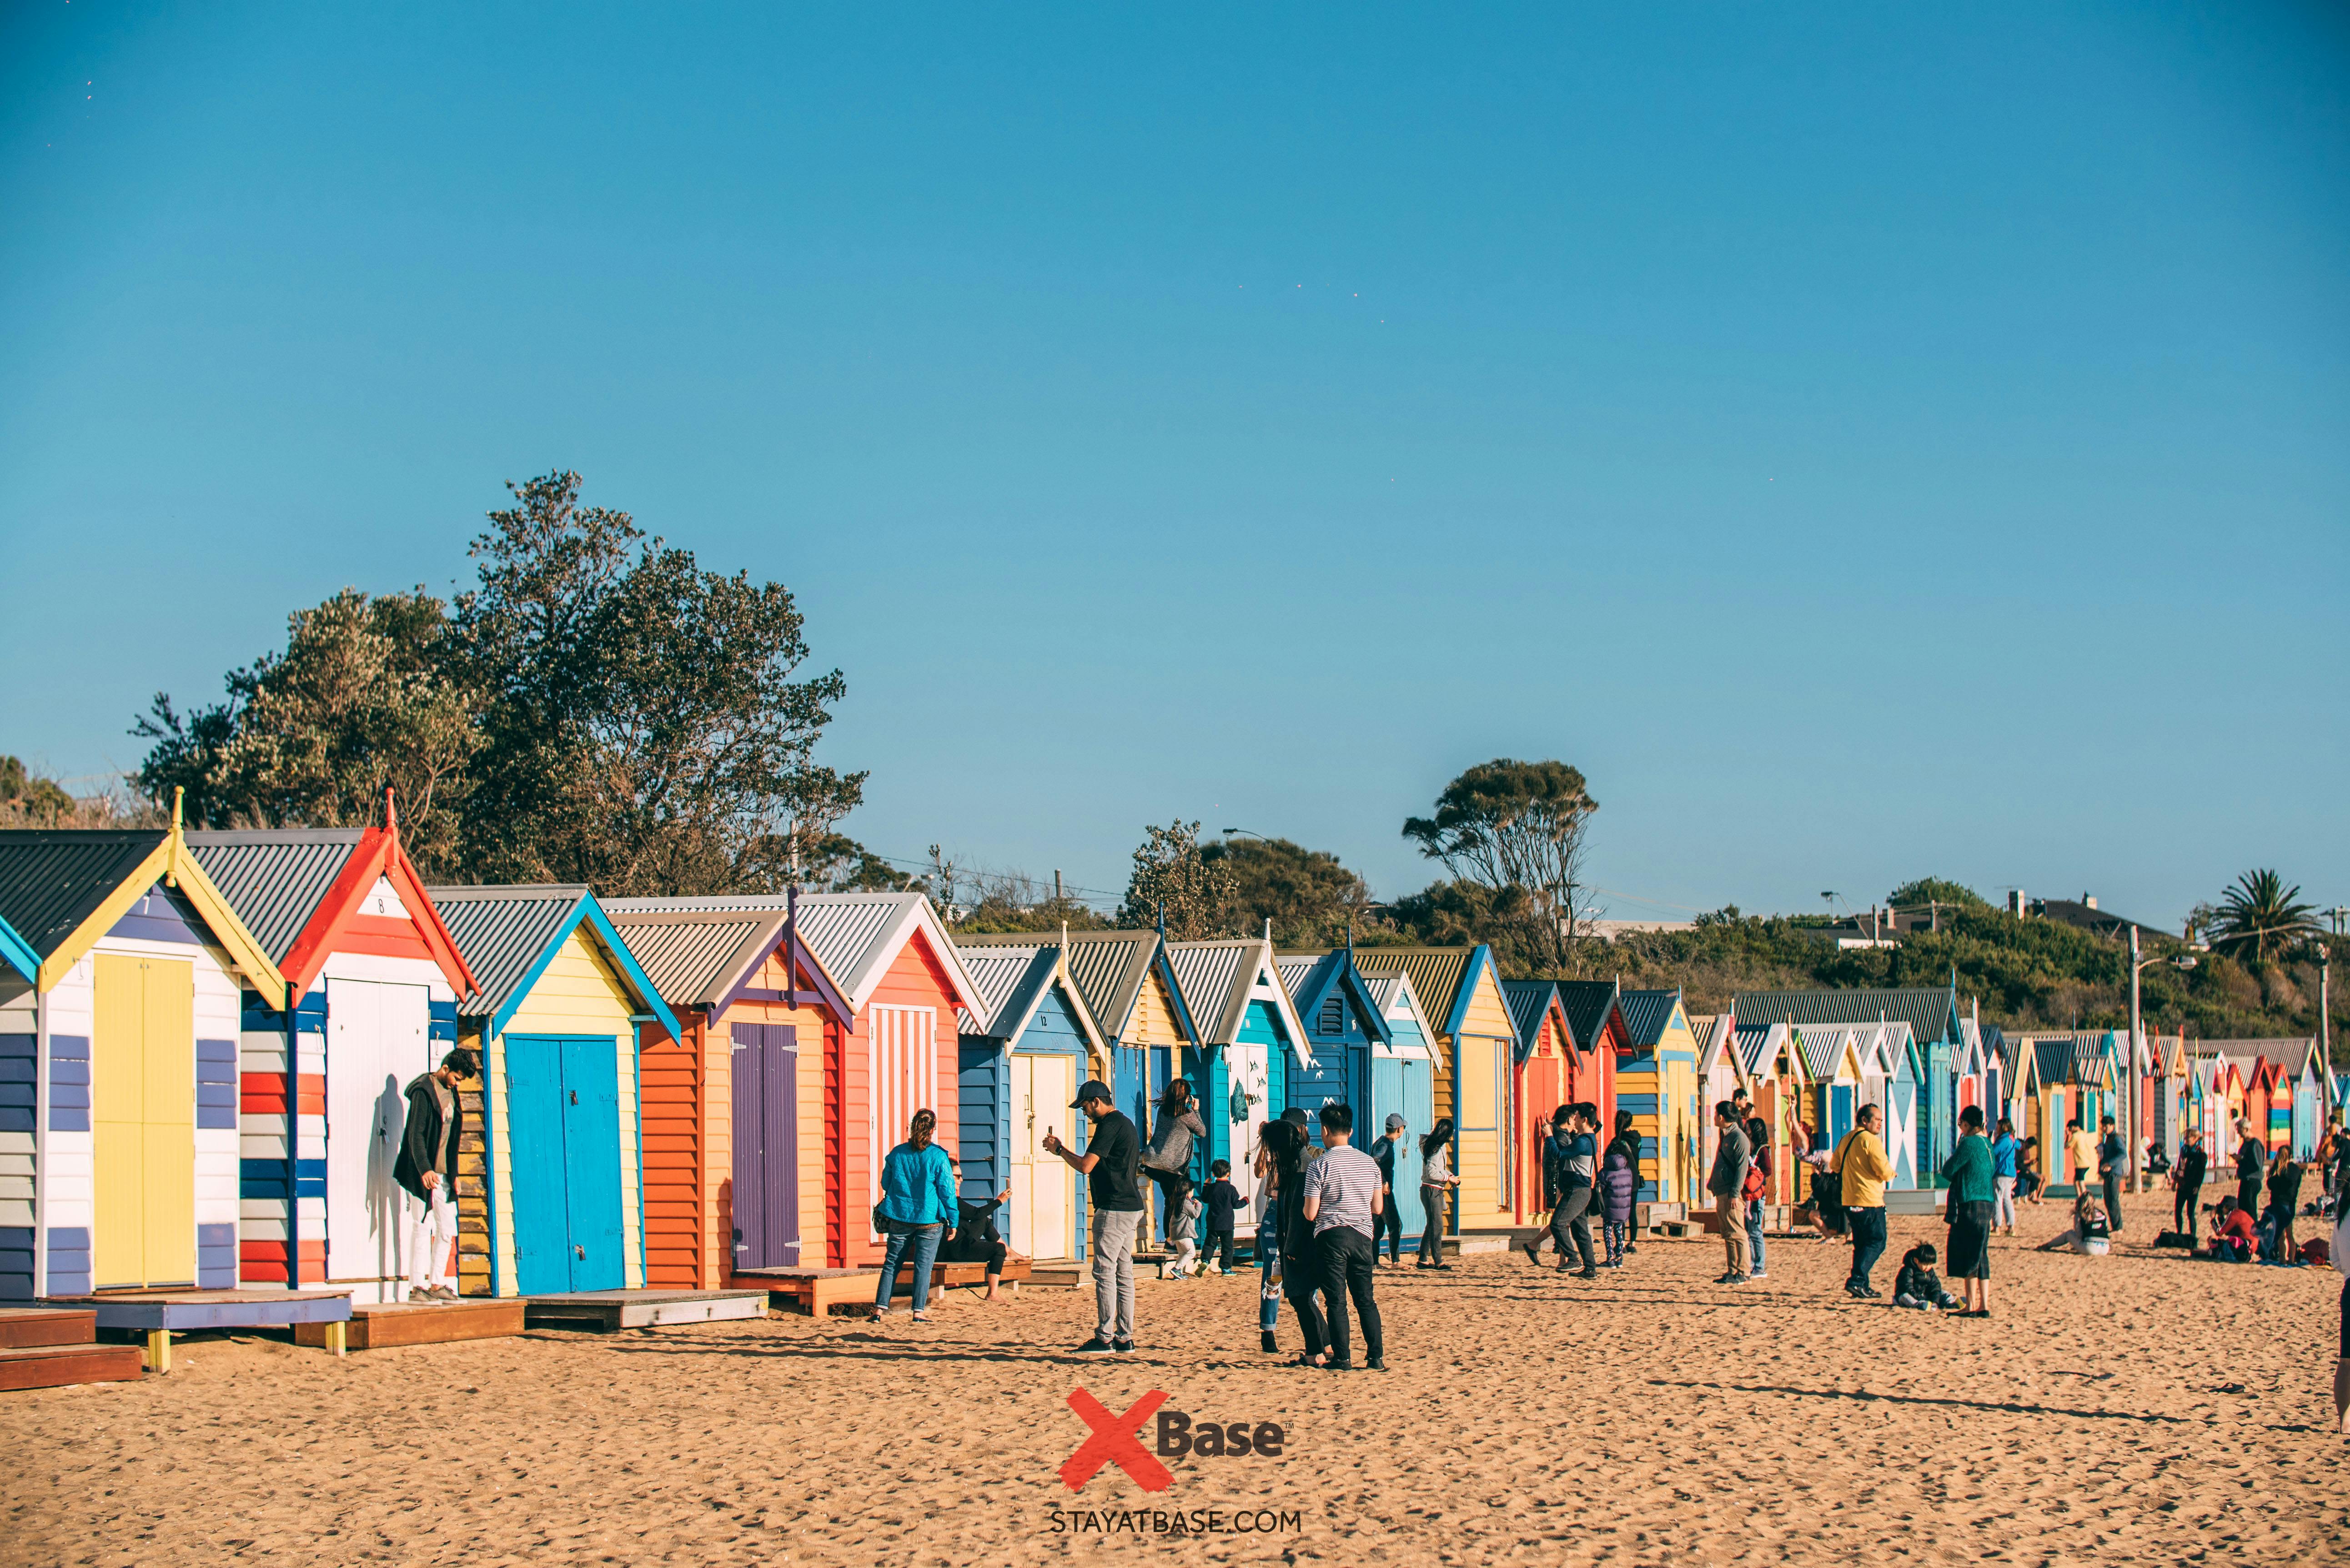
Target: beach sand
<point>2134,1408</point>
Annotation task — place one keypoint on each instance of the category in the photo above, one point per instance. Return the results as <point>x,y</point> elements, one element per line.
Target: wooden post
<point>337,1337</point>
<point>159,1351</point>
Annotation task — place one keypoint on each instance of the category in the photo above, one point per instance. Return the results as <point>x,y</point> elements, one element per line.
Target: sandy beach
<point>2137,1408</point>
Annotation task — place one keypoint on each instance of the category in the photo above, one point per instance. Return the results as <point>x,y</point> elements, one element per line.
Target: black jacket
<point>423,1131</point>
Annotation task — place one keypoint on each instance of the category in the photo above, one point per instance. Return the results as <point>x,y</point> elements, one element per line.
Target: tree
<point>27,797</point>
<point>1307,895</point>
<point>366,696</point>
<point>1926,891</point>
<point>1459,912</point>
<point>643,730</point>
<point>1512,825</point>
<point>1171,875</point>
<point>2260,918</point>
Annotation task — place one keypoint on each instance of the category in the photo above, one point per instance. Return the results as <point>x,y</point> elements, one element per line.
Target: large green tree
<point>1172,877</point>
<point>1310,898</point>
<point>1508,825</point>
<point>369,693</point>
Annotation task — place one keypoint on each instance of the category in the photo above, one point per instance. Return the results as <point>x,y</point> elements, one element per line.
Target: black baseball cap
<point>1092,1089</point>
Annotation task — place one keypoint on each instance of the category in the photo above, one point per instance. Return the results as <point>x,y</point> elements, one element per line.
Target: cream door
<point>143,1119</point>
<point>1053,1084</point>
<point>1020,1209</point>
<point>378,1043</point>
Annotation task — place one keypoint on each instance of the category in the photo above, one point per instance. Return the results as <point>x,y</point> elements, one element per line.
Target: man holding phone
<point>1113,1156</point>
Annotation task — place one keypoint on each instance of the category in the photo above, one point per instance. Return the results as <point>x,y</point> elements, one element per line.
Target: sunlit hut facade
<point>118,1007</point>
<point>1403,1079</point>
<point>1461,990</point>
<point>1771,1063</point>
<point>1657,1081</point>
<point>320,1101</point>
<point>1541,1067</point>
<point>553,1201</point>
<point>1232,990</point>
<point>1145,1019</point>
<point>734,1106</point>
<point>1344,1024</point>
<point>1831,1053</point>
<point>1929,1117</point>
<point>1595,1017</point>
<point>1021,1055</point>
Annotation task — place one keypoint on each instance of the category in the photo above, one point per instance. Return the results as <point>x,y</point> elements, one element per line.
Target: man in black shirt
<point>2186,1185</point>
<point>1113,1154</point>
<point>1388,1222</point>
<point>2251,1167</point>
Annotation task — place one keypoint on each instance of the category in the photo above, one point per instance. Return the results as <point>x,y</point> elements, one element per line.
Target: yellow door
<point>143,1074</point>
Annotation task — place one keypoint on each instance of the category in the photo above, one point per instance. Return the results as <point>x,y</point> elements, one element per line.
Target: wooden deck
<point>609,1311</point>
<point>47,1347</point>
<point>159,1314</point>
<point>813,1291</point>
<point>23,1327</point>
<point>379,1327</point>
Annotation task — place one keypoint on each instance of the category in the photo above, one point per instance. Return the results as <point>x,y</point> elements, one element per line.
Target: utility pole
<point>2136,1038</point>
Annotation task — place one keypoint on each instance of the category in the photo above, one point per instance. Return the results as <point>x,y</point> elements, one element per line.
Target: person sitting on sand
<point>2233,1238</point>
<point>1916,1285</point>
<point>2091,1232</point>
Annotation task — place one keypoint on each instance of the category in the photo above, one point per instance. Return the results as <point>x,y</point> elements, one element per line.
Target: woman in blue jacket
<point>918,1204</point>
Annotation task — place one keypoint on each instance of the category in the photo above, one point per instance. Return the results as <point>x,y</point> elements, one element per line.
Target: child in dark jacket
<point>1917,1285</point>
<point>1619,1186</point>
<point>1223,1201</point>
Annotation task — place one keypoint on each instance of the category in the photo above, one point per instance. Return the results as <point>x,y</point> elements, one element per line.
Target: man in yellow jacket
<point>1863,1168</point>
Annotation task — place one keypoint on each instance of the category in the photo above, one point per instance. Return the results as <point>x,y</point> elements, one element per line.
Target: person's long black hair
<point>1436,1137</point>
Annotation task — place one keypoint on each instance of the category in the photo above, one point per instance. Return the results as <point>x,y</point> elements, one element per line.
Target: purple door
<point>766,1145</point>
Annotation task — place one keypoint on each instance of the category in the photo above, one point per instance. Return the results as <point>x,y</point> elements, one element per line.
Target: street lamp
<point>2137,1045</point>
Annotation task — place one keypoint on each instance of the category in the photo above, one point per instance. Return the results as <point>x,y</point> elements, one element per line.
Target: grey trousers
<point>1113,1259</point>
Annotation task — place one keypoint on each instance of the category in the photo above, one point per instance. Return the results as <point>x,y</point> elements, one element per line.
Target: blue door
<point>563,1119</point>
<point>1213,1085</point>
<point>1839,1112</point>
<point>1418,1117</point>
<point>1386,1093</point>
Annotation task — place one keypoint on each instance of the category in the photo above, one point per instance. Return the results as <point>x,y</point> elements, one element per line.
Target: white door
<point>378,1038</point>
<point>1042,1223</point>
<point>1249,1067</point>
<point>1019,1211</point>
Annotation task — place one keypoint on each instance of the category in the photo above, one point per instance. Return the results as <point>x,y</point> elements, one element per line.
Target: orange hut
<point>1539,1077</point>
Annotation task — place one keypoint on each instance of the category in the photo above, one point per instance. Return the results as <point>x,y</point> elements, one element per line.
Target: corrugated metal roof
<point>275,877</point>
<point>1646,1015</point>
<point>1931,1012</point>
<point>1107,967</point>
<point>998,972</point>
<point>2292,1056</point>
<point>1822,1046</point>
<point>692,962</point>
<point>1436,974</point>
<point>1295,970</point>
<point>1757,1046</point>
<point>1215,976</point>
<point>52,879</point>
<point>500,933</point>
<point>1529,1001</point>
<point>1587,1002</point>
<point>853,935</point>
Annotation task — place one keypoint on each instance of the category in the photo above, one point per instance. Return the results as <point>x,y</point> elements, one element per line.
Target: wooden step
<point>612,1310</point>
<point>21,1327</point>
<point>378,1327</point>
<point>57,1366</point>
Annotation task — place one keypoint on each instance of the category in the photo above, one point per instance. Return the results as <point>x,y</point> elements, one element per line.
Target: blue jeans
<point>921,1249</point>
<point>1754,1234</point>
<point>1268,1295</point>
<point>1867,1227</point>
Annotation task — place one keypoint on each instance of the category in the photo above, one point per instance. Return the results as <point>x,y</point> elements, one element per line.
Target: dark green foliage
<point>1516,829</point>
<point>1307,895</point>
<point>1171,878</point>
<point>1928,891</point>
<point>2260,918</point>
<point>26,799</point>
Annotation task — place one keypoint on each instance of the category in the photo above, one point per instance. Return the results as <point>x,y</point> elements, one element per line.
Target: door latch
<point>582,1252</point>
<point>575,1097</point>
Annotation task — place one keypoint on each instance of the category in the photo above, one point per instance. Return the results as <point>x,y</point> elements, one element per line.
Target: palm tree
<point>2260,916</point>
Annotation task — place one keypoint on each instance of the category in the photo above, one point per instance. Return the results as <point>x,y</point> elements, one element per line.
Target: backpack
<point>1754,1184</point>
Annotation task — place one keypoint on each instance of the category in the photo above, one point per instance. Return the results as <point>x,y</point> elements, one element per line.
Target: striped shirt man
<point>1346,1180</point>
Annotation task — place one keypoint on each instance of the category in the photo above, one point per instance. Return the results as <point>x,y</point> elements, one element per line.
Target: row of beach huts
<point>205,1038</point>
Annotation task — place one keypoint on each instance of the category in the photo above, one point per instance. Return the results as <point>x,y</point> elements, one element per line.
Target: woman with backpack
<point>1757,1189</point>
<point>1168,1159</point>
<point>917,1206</point>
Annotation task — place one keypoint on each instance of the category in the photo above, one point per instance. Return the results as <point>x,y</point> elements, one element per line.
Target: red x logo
<point>1113,1443</point>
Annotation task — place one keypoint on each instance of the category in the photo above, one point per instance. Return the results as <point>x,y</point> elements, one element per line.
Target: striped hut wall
<point>485,1257</point>
<point>68,1195</point>
<point>680,1177</point>
<point>261,1139</point>
<point>901,1058</point>
<point>19,1147</point>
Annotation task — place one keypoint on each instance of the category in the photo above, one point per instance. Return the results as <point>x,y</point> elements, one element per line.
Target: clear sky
<point>1869,441</point>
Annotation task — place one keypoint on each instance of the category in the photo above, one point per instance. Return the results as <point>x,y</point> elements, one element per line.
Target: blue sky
<point>1868,441</point>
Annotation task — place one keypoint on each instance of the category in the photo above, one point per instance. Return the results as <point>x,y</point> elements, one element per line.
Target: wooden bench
<point>813,1291</point>
<point>945,1276</point>
<point>442,1323</point>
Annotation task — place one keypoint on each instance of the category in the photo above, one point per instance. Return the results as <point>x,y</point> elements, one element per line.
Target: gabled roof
<point>1646,1015</point>
<point>1758,1046</point>
<point>2292,1056</point>
<point>1110,968</point>
<point>1826,1047</point>
<point>1968,1059</point>
<point>1397,997</point>
<point>1218,979</point>
<point>855,937</point>
<point>1014,983</point>
<point>1716,1040</point>
<point>63,888</point>
<point>1530,1002</point>
<point>1588,1003</point>
<point>509,935</point>
<point>707,958</point>
<point>302,890</point>
<point>1311,979</point>
<point>1444,977</point>
<point>1931,1012</point>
